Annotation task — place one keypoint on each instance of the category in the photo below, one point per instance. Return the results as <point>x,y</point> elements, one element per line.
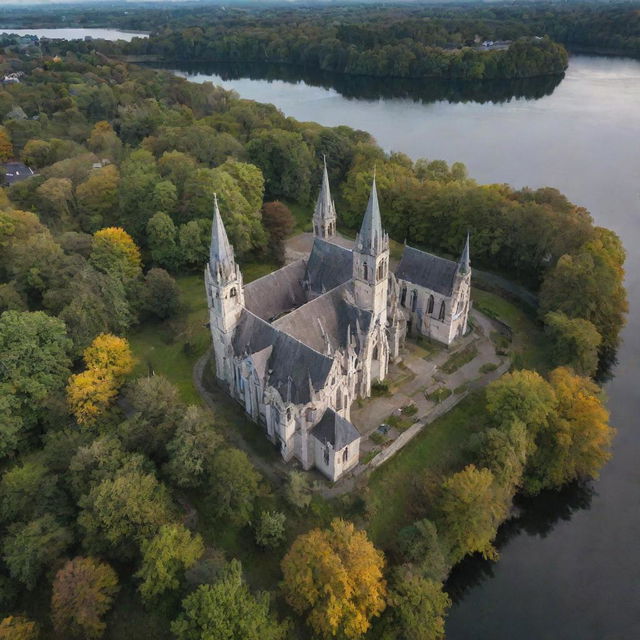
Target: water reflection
<point>369,88</point>
<point>535,516</point>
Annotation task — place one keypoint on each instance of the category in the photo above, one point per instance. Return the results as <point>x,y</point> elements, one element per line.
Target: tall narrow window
<point>288,413</point>
<point>338,400</point>
<point>414,300</point>
<point>403,297</point>
<point>345,455</point>
<point>375,352</point>
<point>365,270</point>
<point>326,455</point>
<point>430,305</point>
<point>381,270</point>
<point>232,293</point>
<point>443,311</point>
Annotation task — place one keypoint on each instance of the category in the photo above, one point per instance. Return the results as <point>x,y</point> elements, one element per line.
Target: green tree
<point>83,592</point>
<point>469,512</point>
<point>419,607</point>
<point>139,176</point>
<point>165,557</point>
<point>28,549</point>
<point>419,545</point>
<point>97,198</point>
<point>161,295</point>
<point>574,342</point>
<point>37,154</point>
<point>192,447</point>
<point>194,238</point>
<point>279,223</point>
<point>270,529</point>
<point>234,485</point>
<point>113,251</point>
<point>161,237</point>
<point>227,610</point>
<point>299,489</point>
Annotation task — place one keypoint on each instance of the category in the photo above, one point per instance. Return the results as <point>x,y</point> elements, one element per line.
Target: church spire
<point>372,238</point>
<point>464,264</point>
<point>324,215</point>
<point>221,258</point>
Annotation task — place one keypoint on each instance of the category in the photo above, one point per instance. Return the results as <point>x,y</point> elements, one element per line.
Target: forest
<point>128,508</point>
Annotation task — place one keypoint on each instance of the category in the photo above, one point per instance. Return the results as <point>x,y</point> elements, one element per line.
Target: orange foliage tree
<point>83,592</point>
<point>336,576</point>
<point>91,392</point>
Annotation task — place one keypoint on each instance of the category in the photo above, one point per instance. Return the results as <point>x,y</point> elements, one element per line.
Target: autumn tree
<point>335,576</point>
<point>279,223</point>
<point>227,609</point>
<point>469,512</point>
<point>97,198</point>
<point>165,557</point>
<point>83,592</point>
<point>89,393</point>
<point>234,485</point>
<point>37,153</point>
<point>576,443</point>
<point>6,148</point>
<point>18,628</point>
<point>114,251</point>
<point>574,342</point>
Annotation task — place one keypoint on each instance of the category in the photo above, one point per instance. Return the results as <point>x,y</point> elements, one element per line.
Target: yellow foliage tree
<point>114,251</point>
<point>6,148</point>
<point>91,392</point>
<point>335,575</point>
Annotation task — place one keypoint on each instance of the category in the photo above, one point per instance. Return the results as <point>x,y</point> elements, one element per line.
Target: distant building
<point>15,172</point>
<point>297,347</point>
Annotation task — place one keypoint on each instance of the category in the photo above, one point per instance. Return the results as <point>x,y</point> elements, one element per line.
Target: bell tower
<point>324,215</point>
<point>371,261</point>
<point>225,294</point>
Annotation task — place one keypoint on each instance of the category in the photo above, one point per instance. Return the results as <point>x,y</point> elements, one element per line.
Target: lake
<point>570,566</point>
<point>77,34</point>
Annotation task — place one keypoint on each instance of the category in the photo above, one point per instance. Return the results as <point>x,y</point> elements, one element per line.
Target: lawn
<point>437,450</point>
<point>529,345</point>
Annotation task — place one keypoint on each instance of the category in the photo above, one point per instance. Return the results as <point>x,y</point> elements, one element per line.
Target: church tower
<point>225,295</point>
<point>371,261</point>
<point>324,215</point>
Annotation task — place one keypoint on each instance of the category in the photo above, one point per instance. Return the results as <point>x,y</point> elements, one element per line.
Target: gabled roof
<point>335,430</point>
<point>427,270</point>
<point>327,318</point>
<point>291,365</point>
<point>328,266</point>
<point>277,292</point>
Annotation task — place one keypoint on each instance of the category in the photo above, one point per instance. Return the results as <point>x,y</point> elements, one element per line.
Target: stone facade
<point>298,346</point>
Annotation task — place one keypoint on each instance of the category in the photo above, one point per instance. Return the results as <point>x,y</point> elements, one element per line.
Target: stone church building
<point>298,346</point>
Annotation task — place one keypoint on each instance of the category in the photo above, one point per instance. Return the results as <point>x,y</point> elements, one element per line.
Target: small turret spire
<point>324,215</point>
<point>464,264</point>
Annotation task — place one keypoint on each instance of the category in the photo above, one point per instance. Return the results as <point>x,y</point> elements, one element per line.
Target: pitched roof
<point>290,366</point>
<point>427,270</point>
<point>328,266</point>
<point>277,292</point>
<point>334,429</point>
<point>327,319</point>
<point>371,235</point>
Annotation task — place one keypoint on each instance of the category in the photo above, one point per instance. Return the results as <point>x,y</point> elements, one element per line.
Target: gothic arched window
<point>365,271</point>
<point>326,455</point>
<point>414,300</point>
<point>430,305</point>
<point>288,413</point>
<point>375,352</point>
<point>403,296</point>
<point>443,311</point>
<point>232,293</point>
<point>345,455</point>
<point>381,270</point>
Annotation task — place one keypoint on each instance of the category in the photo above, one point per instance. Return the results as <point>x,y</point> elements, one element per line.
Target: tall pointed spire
<point>464,264</point>
<point>221,258</point>
<point>324,215</point>
<point>372,238</point>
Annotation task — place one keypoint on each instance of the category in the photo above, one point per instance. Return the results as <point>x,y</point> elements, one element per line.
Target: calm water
<point>570,569</point>
<point>76,34</point>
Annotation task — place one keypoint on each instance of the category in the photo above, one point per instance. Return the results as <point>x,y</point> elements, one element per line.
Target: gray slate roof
<point>371,235</point>
<point>329,265</point>
<point>330,315</point>
<point>333,428</point>
<point>290,365</point>
<point>427,270</point>
<point>277,292</point>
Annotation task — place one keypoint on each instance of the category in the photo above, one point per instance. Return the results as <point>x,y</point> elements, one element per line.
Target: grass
<point>378,438</point>
<point>460,358</point>
<point>302,216</point>
<point>529,346</point>
<point>440,394</point>
<point>437,449</point>
<point>487,367</point>
<point>401,424</point>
